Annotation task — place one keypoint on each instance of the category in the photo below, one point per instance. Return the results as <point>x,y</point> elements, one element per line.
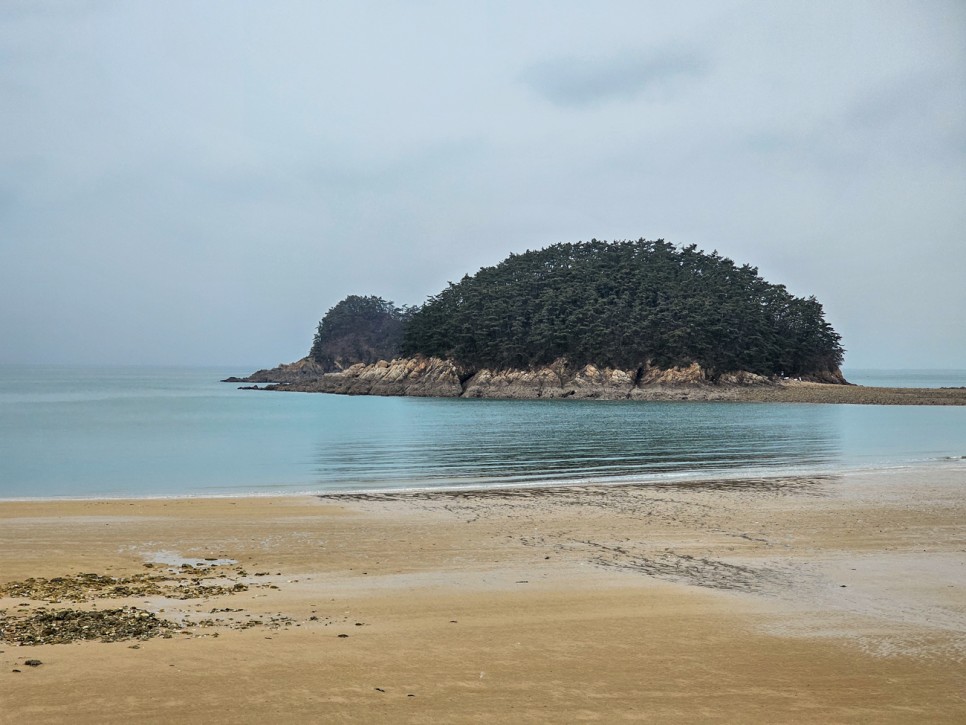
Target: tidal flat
<point>796,598</point>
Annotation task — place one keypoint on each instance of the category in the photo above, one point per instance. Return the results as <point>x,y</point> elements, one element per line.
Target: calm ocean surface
<point>99,432</point>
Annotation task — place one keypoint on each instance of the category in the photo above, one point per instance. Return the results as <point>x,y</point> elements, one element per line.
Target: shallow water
<point>157,432</point>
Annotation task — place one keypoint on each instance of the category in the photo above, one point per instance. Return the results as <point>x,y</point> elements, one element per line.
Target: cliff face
<point>434,377</point>
<point>421,377</point>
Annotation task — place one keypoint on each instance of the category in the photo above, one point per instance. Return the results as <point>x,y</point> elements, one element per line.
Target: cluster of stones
<point>187,584</point>
<point>63,626</point>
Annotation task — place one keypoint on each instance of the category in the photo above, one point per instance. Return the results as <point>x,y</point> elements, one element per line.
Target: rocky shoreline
<point>434,377</point>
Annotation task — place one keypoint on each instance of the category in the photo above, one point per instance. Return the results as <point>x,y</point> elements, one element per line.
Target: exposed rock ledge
<point>433,377</point>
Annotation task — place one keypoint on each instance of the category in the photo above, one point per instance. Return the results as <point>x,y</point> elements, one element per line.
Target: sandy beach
<point>825,599</point>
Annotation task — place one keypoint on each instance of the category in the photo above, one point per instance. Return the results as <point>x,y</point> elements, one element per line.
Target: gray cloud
<point>580,82</point>
<point>916,121</point>
<point>923,113</point>
<point>200,182</point>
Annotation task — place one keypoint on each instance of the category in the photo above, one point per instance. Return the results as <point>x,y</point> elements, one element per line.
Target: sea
<point>68,432</point>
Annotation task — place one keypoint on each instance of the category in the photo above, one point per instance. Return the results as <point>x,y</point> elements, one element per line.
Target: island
<point>627,320</point>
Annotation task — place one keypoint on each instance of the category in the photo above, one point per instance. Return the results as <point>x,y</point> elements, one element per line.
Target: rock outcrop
<point>435,377</point>
<point>421,377</point>
<point>300,371</point>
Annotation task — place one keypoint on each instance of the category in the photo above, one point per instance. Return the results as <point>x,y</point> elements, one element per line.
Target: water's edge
<point>132,433</point>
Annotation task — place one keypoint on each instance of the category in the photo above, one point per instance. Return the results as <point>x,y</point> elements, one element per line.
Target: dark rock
<point>33,663</point>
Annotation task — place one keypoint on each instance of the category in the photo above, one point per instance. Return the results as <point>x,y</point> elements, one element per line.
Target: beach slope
<point>766,600</point>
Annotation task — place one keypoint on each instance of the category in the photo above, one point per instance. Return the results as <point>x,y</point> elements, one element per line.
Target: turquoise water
<point>157,432</point>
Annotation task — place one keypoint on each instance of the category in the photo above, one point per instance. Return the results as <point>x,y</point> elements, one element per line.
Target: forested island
<point>625,305</point>
<point>614,320</point>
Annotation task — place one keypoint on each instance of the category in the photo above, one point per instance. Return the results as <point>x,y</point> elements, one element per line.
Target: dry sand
<point>837,599</point>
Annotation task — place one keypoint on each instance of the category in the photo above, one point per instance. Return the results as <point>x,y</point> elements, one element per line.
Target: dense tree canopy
<point>623,304</point>
<point>359,329</point>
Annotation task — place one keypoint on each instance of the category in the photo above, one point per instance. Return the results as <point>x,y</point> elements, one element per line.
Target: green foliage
<point>624,304</point>
<point>359,329</point>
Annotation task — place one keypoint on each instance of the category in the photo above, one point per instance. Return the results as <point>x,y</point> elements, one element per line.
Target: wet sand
<point>820,599</point>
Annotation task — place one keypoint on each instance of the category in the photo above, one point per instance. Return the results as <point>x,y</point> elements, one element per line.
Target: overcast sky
<point>198,182</point>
